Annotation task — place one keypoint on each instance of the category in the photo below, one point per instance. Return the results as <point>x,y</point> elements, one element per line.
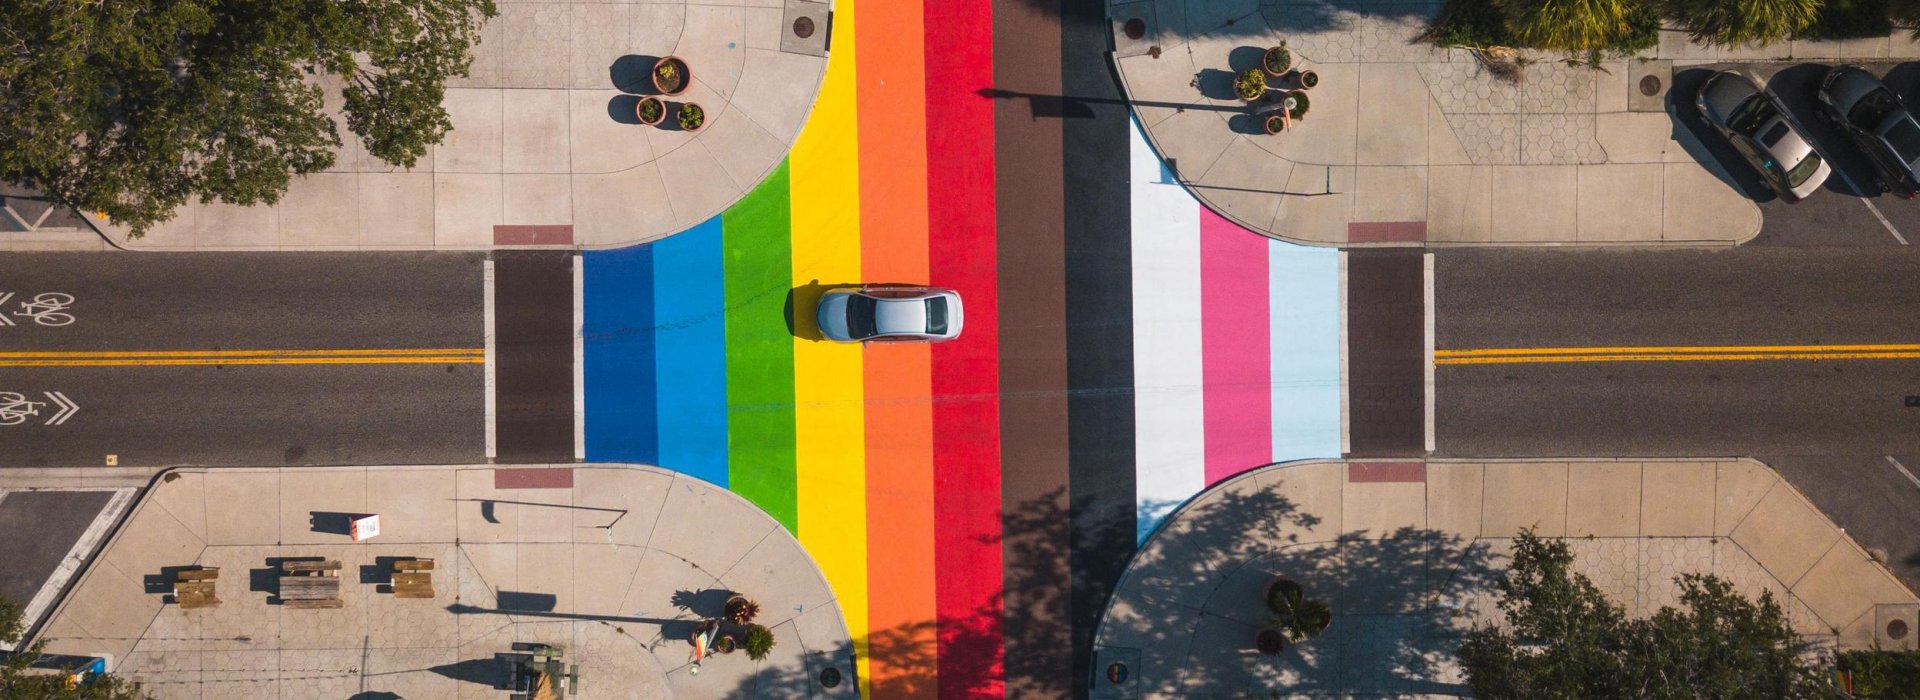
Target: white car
<point>890,314</point>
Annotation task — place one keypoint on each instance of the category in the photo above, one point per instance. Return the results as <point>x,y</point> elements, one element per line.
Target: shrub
<point>758,641</point>
<point>1250,84</point>
<point>1730,22</point>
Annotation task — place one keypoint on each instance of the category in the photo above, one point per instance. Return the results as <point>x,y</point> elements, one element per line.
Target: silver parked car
<point>890,314</point>
<point>1758,128</point>
<point>1854,101</point>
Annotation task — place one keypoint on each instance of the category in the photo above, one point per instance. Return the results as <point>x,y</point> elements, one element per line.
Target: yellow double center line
<point>189,358</point>
<point>1724,353</point>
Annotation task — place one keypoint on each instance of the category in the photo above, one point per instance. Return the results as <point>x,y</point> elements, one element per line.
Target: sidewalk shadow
<point>633,74</point>
<point>1704,143</point>
<point>802,302</point>
<point>624,109</point>
<point>487,672</point>
<point>711,602</point>
<point>1797,86</point>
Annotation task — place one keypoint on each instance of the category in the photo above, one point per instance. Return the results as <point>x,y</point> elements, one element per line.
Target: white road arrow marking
<point>4,296</point>
<point>67,407</point>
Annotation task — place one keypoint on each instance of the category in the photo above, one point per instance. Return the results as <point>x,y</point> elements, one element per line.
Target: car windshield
<point>1751,114</point>
<point>1904,137</point>
<point>1873,108</point>
<point>1804,170</point>
<point>1773,135</point>
<point>860,316</point>
<point>937,316</point>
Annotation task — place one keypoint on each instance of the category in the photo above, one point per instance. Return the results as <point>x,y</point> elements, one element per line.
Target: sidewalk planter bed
<point>692,117</point>
<point>1306,79</point>
<point>651,111</point>
<point>1275,124</point>
<point>1276,60</point>
<point>741,609</point>
<point>1250,84</point>
<point>1297,102</point>
<point>671,75</point>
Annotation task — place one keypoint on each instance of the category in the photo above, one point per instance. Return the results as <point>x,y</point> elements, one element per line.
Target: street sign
<point>366,528</point>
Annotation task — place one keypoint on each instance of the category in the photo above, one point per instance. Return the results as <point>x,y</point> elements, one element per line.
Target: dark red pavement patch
<point>1386,352</point>
<point>1387,231</point>
<point>1386,472</point>
<point>533,478</point>
<point>533,235</point>
<point>533,339</point>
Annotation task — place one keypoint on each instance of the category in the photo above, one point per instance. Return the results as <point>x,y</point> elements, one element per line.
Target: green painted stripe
<point>760,420</point>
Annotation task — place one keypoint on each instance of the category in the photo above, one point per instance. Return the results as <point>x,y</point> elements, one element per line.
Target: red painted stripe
<point>1235,348</point>
<point>962,253</point>
<point>1377,472</point>
<point>527,234</point>
<point>533,478</point>
<point>1386,231</point>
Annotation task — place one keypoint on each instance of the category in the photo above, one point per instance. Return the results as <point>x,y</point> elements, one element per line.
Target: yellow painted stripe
<point>1670,357</point>
<point>1675,349</point>
<point>829,413</point>
<point>394,352</point>
<point>231,361</point>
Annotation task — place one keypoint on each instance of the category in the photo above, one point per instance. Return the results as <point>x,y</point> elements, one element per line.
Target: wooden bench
<point>310,584</point>
<point>195,589</point>
<point>413,578</point>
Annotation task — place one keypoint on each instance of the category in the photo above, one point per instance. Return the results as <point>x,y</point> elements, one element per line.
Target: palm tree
<point>1570,25</point>
<point>1731,22</point>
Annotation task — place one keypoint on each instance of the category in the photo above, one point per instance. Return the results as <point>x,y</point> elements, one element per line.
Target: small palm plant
<point>758,641</point>
<point>1569,25</point>
<point>741,609</point>
<point>1736,22</point>
<point>1294,614</point>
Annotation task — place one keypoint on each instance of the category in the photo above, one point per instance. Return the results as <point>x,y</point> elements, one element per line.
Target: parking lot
<point>1850,211</point>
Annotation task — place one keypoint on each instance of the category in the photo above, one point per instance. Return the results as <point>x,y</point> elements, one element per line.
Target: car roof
<point>900,316</point>
<point>1846,85</point>
<point>1724,92</point>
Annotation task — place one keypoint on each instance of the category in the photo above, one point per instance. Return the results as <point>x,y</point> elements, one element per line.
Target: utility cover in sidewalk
<point>1647,85</point>
<point>807,28</point>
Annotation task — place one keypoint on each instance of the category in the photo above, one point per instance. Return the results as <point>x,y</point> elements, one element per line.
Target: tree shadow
<point>487,672</point>
<point>1232,20</point>
<point>708,603</point>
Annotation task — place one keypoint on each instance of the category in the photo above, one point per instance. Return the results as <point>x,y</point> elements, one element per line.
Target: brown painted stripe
<point>561,234</point>
<point>1386,352</point>
<point>533,478</point>
<point>1386,472</point>
<point>1033,360</point>
<point>1387,231</point>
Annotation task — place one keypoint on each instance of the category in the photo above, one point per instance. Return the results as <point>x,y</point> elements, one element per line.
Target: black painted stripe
<point>533,340</point>
<point>1386,346</point>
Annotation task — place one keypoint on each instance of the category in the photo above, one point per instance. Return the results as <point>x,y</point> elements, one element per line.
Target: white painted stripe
<point>1304,324</point>
<point>1903,470</point>
<point>1426,262</point>
<point>1883,220</point>
<point>579,360</point>
<point>1169,408</point>
<point>1346,408</point>
<point>102,524</point>
<point>493,361</point>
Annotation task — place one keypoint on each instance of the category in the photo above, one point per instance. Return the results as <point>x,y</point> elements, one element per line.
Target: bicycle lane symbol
<point>15,409</point>
<point>47,309</point>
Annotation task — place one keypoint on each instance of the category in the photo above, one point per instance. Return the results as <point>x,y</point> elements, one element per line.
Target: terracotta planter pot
<point>659,112</point>
<point>1274,124</point>
<point>1279,57</point>
<point>1306,79</point>
<point>690,124</point>
<point>683,76</point>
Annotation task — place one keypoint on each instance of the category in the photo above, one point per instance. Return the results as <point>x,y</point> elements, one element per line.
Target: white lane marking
<point>493,363</point>
<point>1427,368</point>
<point>4,296</point>
<point>49,592</point>
<point>1346,411</point>
<point>67,407</point>
<point>579,360</point>
<point>1884,221</point>
<point>1903,470</point>
<point>1170,413</point>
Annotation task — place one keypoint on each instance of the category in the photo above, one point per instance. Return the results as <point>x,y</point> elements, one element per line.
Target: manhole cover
<point>803,27</point>
<point>1649,85</point>
<point>1136,28</point>
<point>829,677</point>
<point>1117,673</point>
<point>1897,629</point>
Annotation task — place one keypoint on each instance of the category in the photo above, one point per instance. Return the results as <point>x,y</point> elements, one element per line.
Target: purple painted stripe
<point>1234,348</point>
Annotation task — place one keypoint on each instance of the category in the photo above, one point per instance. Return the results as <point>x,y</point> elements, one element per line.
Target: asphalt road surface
<point>252,359</point>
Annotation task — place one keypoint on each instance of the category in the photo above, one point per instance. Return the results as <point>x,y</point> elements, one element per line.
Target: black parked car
<point>1854,101</point>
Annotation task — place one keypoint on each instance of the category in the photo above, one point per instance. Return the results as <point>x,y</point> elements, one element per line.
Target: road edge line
<point>579,359</point>
<point>1426,369</point>
<point>492,359</point>
<point>83,547</point>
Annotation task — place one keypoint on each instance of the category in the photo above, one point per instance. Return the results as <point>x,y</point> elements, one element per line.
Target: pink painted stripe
<point>526,234</point>
<point>1380,472</point>
<point>1235,348</point>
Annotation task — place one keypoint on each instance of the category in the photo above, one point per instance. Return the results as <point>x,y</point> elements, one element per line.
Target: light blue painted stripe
<point>1169,406</point>
<point>690,352</point>
<point>1304,284</point>
<point>622,411</point>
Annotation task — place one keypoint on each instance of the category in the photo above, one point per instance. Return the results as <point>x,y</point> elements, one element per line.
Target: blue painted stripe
<point>618,339</point>
<point>1305,320</point>
<point>690,352</point>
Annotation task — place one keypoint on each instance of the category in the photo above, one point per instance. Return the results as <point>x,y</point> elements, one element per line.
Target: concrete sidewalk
<point>1408,553</point>
<point>1408,144</point>
<point>545,148</point>
<point>613,563</point>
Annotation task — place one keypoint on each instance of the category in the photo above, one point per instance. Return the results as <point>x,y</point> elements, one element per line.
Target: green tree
<point>1733,22</point>
<point>130,108</point>
<point>1572,25</point>
<point>1565,639</point>
<point>20,681</point>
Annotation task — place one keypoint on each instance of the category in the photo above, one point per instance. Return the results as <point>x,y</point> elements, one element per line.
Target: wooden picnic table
<point>310,584</point>
<point>195,588</point>
<point>413,578</point>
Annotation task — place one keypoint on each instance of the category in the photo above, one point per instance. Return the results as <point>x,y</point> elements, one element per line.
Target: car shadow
<point>801,303</point>
<point>1798,87</point>
<point>1704,143</point>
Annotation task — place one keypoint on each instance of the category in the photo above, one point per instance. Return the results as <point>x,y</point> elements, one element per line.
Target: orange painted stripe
<point>893,248</point>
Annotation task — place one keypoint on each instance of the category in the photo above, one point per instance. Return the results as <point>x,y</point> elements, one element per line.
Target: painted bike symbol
<point>16,409</point>
<point>46,309</point>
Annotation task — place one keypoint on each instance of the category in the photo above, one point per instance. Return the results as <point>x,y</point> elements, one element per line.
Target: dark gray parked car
<point>1758,128</point>
<point>1854,101</point>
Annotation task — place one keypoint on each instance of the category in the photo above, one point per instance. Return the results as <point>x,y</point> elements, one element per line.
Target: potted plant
<point>1250,84</point>
<point>1296,104</point>
<point>1306,79</point>
<point>1276,60</point>
<point>651,111</point>
<point>1270,642</point>
<point>1274,124</point>
<point>1296,616</point>
<point>741,609</point>
<point>671,75</point>
<point>692,117</point>
<point>724,644</point>
<point>758,641</point>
